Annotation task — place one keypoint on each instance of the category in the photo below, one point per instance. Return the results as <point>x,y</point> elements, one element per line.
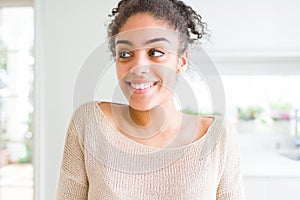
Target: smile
<point>142,86</point>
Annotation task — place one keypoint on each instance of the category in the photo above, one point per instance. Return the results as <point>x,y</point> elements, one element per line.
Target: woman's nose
<point>141,64</point>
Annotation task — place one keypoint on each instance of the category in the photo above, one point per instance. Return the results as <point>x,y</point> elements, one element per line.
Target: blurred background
<point>16,99</point>
<point>255,46</point>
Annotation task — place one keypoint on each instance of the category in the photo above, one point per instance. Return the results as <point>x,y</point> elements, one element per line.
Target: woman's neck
<point>140,118</point>
<point>165,115</point>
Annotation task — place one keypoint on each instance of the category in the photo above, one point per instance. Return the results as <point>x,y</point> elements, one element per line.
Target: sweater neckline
<point>127,140</point>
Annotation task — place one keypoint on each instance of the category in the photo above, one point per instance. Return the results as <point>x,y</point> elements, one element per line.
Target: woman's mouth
<point>141,87</point>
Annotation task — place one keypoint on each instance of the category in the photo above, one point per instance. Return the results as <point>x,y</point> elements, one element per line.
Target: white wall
<point>266,25</point>
<point>68,30</point>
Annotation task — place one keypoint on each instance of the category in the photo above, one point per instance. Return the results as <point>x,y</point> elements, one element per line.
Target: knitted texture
<point>101,163</point>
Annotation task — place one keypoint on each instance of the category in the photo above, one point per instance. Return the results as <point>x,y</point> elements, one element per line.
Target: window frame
<point>256,62</point>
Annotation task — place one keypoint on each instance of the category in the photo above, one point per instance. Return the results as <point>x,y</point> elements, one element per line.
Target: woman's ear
<point>183,62</point>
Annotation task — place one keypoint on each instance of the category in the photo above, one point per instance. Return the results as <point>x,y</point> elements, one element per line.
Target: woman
<point>148,149</point>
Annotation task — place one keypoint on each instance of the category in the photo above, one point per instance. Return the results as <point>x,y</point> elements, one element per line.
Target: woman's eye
<point>155,53</point>
<point>124,54</point>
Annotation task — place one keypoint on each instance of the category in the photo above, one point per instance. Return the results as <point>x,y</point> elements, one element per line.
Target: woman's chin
<point>141,106</point>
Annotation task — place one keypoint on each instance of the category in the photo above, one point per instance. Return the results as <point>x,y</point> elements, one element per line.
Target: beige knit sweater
<point>101,163</point>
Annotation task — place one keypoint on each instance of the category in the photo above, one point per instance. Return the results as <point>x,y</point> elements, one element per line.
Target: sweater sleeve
<point>73,182</point>
<point>231,183</point>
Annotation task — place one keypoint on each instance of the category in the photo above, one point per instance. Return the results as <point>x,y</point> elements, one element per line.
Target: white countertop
<point>269,164</point>
<point>259,157</point>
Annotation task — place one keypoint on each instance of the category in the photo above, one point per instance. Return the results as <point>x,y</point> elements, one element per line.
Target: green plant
<point>250,112</point>
<point>192,112</point>
<point>281,110</point>
<point>26,155</point>
<point>3,55</point>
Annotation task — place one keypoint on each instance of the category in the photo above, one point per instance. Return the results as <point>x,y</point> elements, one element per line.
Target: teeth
<point>141,86</point>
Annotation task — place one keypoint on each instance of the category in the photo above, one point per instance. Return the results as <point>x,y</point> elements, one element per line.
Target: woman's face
<point>147,61</point>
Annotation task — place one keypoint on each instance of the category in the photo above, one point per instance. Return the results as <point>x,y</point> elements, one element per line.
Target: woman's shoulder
<point>92,109</point>
<point>227,131</point>
<point>84,108</point>
<point>217,128</point>
<point>86,112</point>
<point>206,121</point>
<point>90,106</point>
<point>217,122</point>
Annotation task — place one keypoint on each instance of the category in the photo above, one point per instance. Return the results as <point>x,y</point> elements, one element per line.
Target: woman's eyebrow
<point>157,40</point>
<point>146,43</point>
<point>124,42</point>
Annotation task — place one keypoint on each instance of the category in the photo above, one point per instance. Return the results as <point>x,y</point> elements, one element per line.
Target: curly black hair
<point>176,13</point>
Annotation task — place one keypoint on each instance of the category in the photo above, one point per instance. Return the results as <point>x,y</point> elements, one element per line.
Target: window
<point>261,90</point>
<point>263,104</point>
<point>16,100</point>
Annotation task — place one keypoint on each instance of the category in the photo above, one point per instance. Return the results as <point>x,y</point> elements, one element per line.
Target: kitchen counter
<point>261,156</point>
<point>268,163</point>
